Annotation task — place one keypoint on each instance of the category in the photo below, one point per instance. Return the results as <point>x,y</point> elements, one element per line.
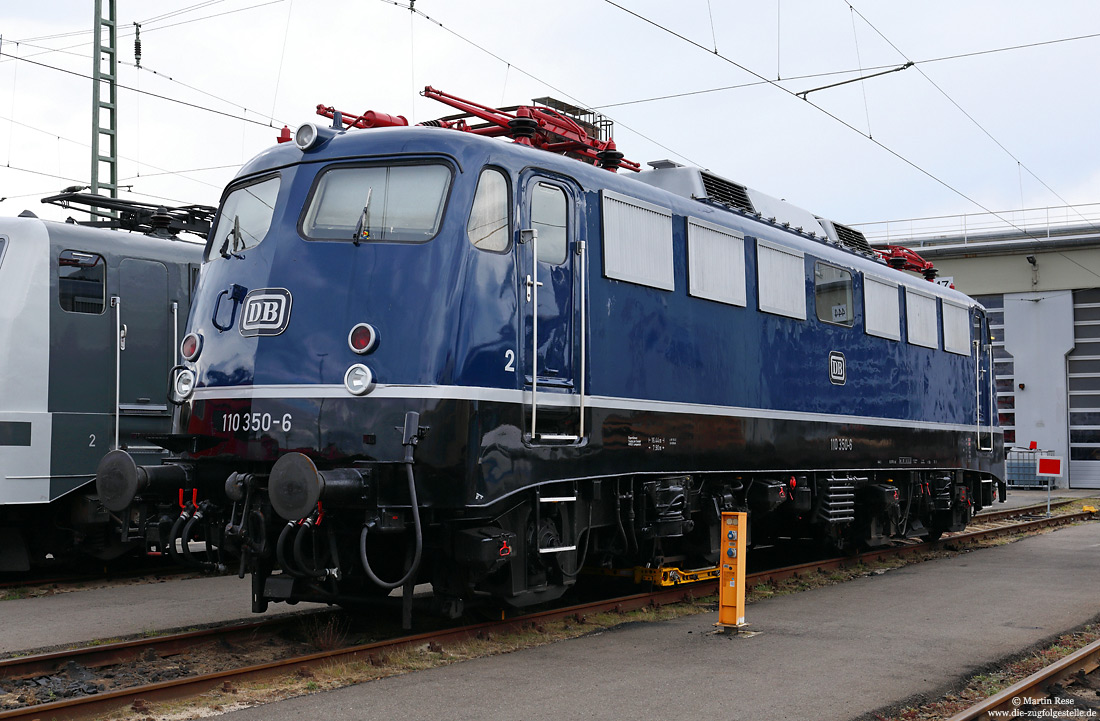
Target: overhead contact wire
<point>970,117</point>
<point>838,119</point>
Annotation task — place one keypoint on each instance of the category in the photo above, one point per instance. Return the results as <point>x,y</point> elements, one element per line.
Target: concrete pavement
<point>837,652</point>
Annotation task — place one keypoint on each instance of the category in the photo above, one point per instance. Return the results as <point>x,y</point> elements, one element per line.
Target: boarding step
<point>562,492</point>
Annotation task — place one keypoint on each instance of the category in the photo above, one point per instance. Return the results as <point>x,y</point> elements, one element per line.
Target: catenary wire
<point>145,92</point>
<point>836,118</point>
<point>963,110</point>
<point>534,77</point>
<point>810,76</point>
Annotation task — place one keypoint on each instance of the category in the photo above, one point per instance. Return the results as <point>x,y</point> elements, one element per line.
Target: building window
<point>716,263</point>
<point>81,282</point>
<point>488,226</point>
<point>833,294</point>
<point>781,280</point>
<point>1003,365</point>
<point>637,241</point>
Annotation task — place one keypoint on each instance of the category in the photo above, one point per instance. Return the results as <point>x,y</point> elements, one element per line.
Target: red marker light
<point>363,338</point>
<point>191,346</point>
<point>794,482</point>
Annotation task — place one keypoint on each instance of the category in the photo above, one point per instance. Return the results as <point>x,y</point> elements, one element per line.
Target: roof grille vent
<point>853,239</point>
<point>723,191</point>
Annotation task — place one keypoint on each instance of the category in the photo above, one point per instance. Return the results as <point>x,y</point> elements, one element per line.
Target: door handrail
<point>116,303</point>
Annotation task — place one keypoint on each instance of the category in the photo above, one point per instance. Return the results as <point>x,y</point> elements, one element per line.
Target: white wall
<point>1039,334</point>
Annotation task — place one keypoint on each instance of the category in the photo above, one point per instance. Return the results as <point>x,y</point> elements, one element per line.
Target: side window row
<point>780,276</point>
<point>81,282</point>
<point>637,248</point>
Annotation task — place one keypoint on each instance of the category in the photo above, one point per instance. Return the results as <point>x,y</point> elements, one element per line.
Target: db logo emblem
<point>266,311</point>
<point>837,372</point>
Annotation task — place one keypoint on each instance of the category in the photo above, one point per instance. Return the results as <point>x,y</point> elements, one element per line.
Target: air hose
<point>410,438</point>
<point>415,565</point>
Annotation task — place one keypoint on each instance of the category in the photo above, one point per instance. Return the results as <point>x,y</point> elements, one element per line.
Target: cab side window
<point>488,226</point>
<point>549,218</point>
<point>81,282</point>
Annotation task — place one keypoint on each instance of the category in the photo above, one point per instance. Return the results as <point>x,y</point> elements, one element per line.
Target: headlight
<point>306,136</point>
<point>184,384</point>
<point>359,380</point>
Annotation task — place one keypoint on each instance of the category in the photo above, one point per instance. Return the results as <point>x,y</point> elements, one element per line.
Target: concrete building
<point>1038,274</point>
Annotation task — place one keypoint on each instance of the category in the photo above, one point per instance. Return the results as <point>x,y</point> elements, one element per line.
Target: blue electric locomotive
<point>419,354</point>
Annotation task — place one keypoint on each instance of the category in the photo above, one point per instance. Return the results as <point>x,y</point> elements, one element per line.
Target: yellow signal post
<point>731,573</point>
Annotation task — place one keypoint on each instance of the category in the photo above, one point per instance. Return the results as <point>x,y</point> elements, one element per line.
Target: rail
<point>1041,223</point>
<point>1037,687</point>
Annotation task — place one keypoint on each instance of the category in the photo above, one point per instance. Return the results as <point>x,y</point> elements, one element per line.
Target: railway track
<point>87,702</point>
<point>1069,688</point>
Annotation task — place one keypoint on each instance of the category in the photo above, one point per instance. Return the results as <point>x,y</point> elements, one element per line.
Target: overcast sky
<point>263,64</point>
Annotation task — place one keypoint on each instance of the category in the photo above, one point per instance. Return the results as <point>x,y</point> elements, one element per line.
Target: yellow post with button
<point>731,573</point>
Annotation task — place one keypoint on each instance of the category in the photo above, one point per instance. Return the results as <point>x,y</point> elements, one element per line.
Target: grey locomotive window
<point>244,219</point>
<point>549,218</point>
<point>81,282</point>
<point>387,203</point>
<point>2,242</point>
<point>488,224</point>
<point>833,294</point>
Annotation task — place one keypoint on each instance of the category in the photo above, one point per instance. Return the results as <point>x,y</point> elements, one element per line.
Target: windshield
<point>244,219</point>
<point>388,203</point>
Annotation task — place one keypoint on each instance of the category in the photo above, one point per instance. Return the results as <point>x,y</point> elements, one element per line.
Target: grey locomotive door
<point>548,262</point>
<point>144,346</point>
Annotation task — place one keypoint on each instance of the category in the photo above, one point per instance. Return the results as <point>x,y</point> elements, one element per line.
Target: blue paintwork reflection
<point>449,314</point>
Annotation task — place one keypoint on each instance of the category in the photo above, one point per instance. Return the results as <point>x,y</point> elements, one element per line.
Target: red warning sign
<point>1049,466</point>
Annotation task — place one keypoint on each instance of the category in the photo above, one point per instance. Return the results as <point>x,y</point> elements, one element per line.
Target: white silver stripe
<point>548,398</point>
<point>37,478</point>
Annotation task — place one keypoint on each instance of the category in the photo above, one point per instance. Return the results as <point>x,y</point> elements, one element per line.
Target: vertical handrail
<point>175,332</point>
<point>582,250</point>
<point>533,282</point>
<point>116,303</point>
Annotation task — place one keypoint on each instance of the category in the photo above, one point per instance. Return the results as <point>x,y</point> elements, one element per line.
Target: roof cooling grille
<point>727,193</point>
<point>852,239</point>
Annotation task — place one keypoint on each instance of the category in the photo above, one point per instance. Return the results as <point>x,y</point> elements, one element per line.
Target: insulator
<point>137,44</point>
<point>610,159</point>
<point>523,127</point>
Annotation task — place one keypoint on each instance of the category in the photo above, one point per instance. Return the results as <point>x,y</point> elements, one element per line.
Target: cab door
<point>145,337</point>
<point>549,304</point>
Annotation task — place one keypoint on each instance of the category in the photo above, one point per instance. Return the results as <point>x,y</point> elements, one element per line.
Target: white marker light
<point>359,380</point>
<point>184,384</point>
